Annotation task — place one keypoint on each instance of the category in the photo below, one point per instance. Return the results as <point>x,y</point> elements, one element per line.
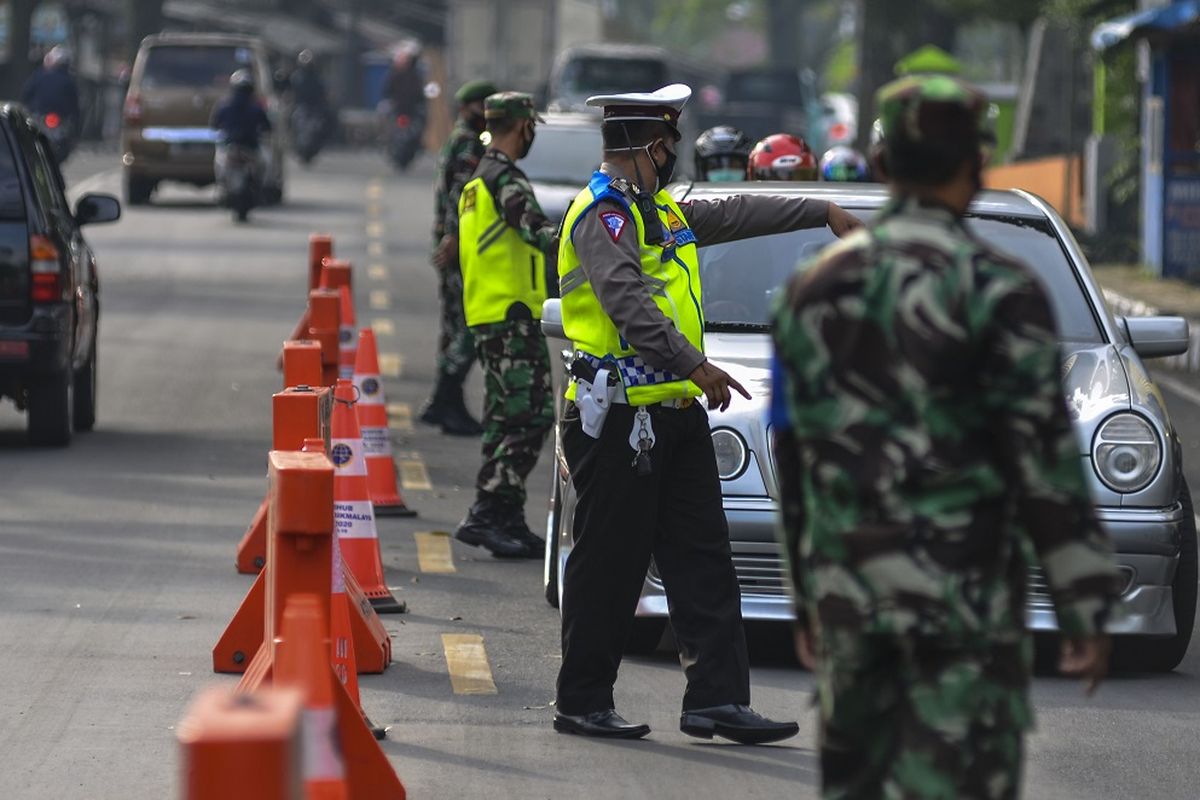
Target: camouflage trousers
<point>456,348</point>
<point>918,720</point>
<point>518,409</point>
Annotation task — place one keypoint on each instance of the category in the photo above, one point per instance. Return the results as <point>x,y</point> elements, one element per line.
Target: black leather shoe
<point>741,724</point>
<point>484,528</point>
<point>603,724</point>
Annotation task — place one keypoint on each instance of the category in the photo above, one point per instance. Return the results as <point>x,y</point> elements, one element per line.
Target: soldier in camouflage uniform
<point>505,277</point>
<point>456,351</point>
<point>925,450</point>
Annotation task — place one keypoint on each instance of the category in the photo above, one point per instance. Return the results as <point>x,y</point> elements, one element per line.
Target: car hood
<point>1095,381</point>
<point>555,198</point>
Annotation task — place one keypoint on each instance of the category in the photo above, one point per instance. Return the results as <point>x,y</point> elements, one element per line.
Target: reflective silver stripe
<point>571,281</point>
<point>657,286</point>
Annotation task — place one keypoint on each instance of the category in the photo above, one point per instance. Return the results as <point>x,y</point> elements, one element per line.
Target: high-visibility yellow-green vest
<point>671,273</point>
<point>499,268</point>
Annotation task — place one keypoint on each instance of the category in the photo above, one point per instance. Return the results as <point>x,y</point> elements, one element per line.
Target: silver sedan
<point>1128,445</point>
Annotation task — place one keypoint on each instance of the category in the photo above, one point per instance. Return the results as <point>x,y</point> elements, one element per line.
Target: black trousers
<point>621,520</point>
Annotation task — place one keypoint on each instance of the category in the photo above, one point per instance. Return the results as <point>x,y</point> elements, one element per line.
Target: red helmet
<point>783,157</point>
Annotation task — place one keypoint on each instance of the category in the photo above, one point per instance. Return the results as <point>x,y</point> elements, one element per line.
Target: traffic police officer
<point>638,445</point>
<point>927,438</point>
<point>503,239</point>
<point>456,351</point>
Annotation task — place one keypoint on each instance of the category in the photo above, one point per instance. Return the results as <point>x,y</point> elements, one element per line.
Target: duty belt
<point>634,372</point>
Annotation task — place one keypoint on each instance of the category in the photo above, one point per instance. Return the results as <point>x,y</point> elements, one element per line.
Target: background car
<point>49,290</point>
<point>176,82</point>
<point>1130,450</point>
<point>567,151</point>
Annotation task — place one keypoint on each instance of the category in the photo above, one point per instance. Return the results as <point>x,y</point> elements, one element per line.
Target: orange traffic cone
<point>347,346</point>
<point>377,443</point>
<point>354,517</point>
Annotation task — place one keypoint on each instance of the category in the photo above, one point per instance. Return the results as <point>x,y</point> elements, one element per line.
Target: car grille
<point>760,574</point>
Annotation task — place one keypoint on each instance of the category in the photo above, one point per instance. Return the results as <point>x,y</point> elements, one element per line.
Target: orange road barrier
<point>324,313</point>
<point>347,345</point>
<point>353,512</point>
<point>301,363</point>
<point>297,413</point>
<point>343,760</point>
<point>320,247</point>
<point>297,428</point>
<point>336,273</point>
<point>373,421</point>
<point>242,746</point>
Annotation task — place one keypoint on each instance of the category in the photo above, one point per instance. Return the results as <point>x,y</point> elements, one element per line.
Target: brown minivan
<point>177,79</point>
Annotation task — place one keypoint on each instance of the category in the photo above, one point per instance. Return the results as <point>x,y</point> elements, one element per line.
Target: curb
<point>1124,306</point>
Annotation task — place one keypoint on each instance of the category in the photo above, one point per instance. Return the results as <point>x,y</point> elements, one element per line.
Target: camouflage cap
<point>510,105</point>
<point>915,108</point>
<point>471,91</point>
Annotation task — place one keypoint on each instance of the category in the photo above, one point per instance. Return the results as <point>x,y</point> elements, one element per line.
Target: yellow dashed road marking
<point>377,272</point>
<point>391,365</point>
<point>375,249</point>
<point>400,416</point>
<point>380,300</point>
<point>374,209</point>
<point>374,190</point>
<point>413,474</point>
<point>383,327</point>
<point>468,664</point>
<point>375,230</point>
<point>433,552</point>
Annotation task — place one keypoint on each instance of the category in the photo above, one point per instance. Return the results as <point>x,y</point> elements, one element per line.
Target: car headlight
<point>731,451</point>
<point>1126,453</point>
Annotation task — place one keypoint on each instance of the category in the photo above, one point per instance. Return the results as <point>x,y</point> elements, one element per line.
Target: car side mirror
<point>1158,337</point>
<point>552,326</point>
<point>93,208</point>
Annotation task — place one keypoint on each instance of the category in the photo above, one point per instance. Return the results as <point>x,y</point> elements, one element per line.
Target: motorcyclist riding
<point>240,121</point>
<point>52,97</point>
<point>722,154</point>
<point>782,157</point>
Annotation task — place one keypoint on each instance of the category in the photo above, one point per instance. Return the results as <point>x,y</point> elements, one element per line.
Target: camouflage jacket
<point>517,203</point>
<point>456,164</point>
<point>930,442</point>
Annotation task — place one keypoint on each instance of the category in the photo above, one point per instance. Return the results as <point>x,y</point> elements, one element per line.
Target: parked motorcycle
<point>308,132</point>
<point>241,181</point>
<point>59,130</point>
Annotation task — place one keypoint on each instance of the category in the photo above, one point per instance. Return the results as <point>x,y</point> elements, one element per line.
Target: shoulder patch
<point>614,223</point>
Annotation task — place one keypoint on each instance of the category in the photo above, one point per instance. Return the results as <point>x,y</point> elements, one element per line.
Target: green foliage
<point>841,69</point>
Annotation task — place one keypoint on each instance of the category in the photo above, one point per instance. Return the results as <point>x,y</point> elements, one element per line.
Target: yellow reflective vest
<point>671,273</point>
<point>499,268</point>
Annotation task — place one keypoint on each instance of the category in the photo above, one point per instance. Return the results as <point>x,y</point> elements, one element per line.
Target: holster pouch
<point>593,399</point>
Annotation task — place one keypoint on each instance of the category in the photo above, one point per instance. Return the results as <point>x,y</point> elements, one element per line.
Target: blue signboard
<point>1181,228</point>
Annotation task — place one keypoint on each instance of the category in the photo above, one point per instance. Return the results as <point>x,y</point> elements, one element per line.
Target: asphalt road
<point>116,555</point>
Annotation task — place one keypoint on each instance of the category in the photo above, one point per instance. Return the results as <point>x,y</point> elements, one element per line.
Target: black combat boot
<point>433,412</point>
<point>484,527</point>
<point>456,420</point>
<point>516,527</point>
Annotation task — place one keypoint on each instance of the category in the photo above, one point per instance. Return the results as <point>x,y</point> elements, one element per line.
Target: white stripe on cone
<point>354,519</point>
<point>321,760</point>
<point>376,442</point>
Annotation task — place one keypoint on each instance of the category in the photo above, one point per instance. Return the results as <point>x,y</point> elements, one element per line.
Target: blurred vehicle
<point>49,290</point>
<point>52,96</point>
<point>176,81</point>
<point>307,129</point>
<point>1131,452</point>
<point>403,136</point>
<point>60,132</point>
<point>567,150</point>
<point>839,120</point>
<point>311,118</point>
<point>238,187</point>
<point>764,100</point>
<point>589,69</point>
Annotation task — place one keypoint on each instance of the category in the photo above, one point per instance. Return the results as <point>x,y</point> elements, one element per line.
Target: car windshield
<point>564,154</point>
<point>739,278</point>
<point>193,66</point>
<point>12,204</point>
<point>607,75</point>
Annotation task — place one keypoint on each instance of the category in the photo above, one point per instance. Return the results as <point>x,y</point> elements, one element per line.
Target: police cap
<point>510,105</point>
<point>471,91</point>
<point>664,105</point>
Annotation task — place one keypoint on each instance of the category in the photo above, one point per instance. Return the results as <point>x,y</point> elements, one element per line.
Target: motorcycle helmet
<point>722,154</point>
<point>305,58</point>
<point>783,157</point>
<point>242,81</point>
<point>57,56</point>
<point>844,164</point>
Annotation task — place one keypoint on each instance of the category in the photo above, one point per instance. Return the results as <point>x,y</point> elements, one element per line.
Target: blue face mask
<point>726,175</point>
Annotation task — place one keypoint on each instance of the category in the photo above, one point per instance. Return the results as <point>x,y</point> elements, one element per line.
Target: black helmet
<point>722,153</point>
<point>844,164</point>
<point>242,80</point>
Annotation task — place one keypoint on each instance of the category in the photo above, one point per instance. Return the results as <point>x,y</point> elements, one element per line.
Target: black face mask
<point>666,171</point>
<point>528,141</point>
<point>476,122</point>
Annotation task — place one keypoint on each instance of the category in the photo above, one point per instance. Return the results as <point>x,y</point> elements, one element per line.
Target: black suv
<point>49,294</point>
